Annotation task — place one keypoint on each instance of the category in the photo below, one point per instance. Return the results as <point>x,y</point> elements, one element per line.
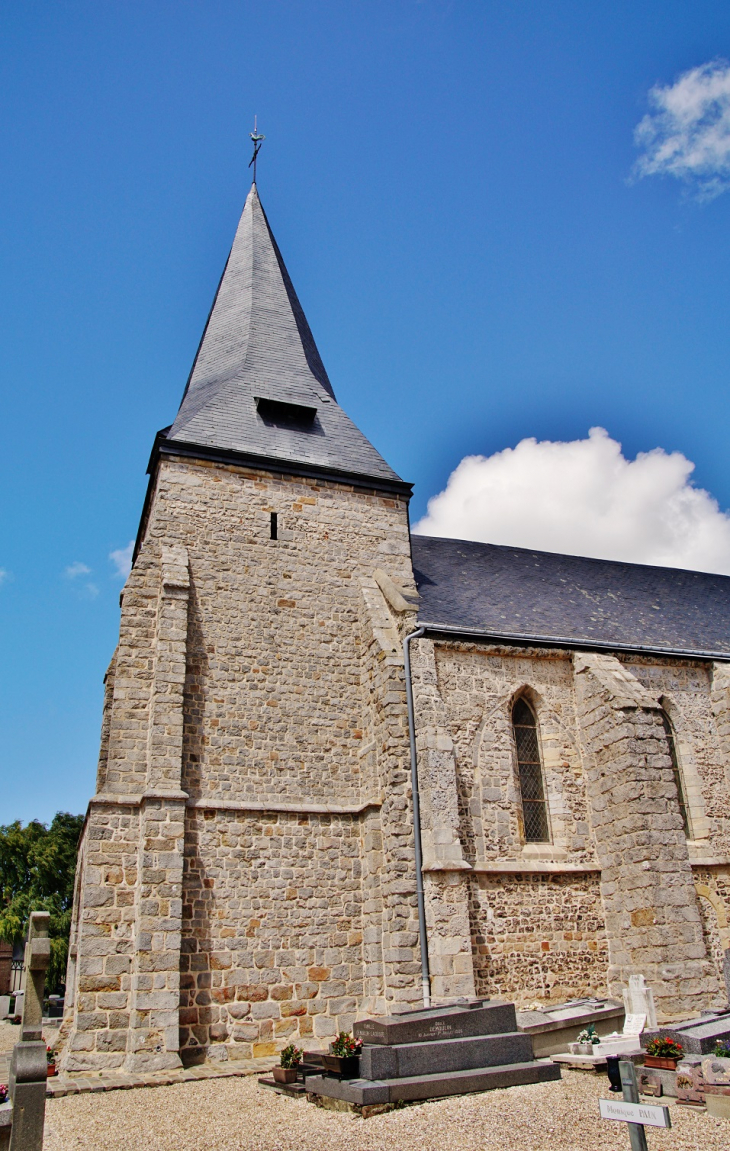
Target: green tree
<point>37,867</point>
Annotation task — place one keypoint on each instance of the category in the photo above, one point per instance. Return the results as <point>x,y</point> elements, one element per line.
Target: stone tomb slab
<point>397,1060</point>
<point>412,1088</point>
<point>458,1021</point>
<point>697,1036</point>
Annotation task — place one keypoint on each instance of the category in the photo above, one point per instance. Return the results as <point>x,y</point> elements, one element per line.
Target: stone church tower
<point>245,868</point>
<point>247,874</point>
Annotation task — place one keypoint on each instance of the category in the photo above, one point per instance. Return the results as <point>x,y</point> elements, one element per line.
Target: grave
<point>639,1000</point>
<point>697,1036</point>
<point>27,1080</point>
<point>438,1051</point>
<point>553,1028</point>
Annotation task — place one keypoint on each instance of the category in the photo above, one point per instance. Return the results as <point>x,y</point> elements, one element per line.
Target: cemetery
<point>461,1075</point>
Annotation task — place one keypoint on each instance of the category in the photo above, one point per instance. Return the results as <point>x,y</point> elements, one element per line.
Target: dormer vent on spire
<point>258,387</point>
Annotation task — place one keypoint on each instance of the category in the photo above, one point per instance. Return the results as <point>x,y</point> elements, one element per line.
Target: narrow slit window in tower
<point>679,782</point>
<point>532,790</point>
<point>274,526</point>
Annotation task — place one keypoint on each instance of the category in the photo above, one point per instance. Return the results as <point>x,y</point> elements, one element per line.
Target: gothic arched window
<point>681,795</point>
<point>534,807</point>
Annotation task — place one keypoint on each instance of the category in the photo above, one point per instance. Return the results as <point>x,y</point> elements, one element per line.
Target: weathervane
<point>258,140</point>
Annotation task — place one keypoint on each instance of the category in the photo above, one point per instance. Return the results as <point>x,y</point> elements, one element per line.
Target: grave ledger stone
<point>440,1051</point>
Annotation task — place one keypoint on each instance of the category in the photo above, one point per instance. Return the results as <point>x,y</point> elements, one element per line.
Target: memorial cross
<point>28,1072</point>
<point>630,1089</point>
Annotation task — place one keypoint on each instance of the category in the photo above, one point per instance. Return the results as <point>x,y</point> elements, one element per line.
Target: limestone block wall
<point>531,915</point>
<point>125,951</point>
<point>464,698</point>
<point>684,688</point>
<point>272,939</point>
<point>274,707</point>
<point>97,1017</point>
<point>391,960</point>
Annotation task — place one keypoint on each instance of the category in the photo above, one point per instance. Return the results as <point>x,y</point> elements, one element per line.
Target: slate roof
<point>257,345</point>
<point>513,593</point>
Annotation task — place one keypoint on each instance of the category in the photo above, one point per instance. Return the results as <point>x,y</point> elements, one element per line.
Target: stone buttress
<point>652,916</point>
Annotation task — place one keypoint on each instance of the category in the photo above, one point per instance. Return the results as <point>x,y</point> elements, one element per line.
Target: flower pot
<point>50,1070</point>
<point>341,1066</point>
<point>285,1074</point>
<point>660,1061</point>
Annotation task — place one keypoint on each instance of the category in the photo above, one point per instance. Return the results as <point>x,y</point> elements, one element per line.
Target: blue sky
<point>449,184</point>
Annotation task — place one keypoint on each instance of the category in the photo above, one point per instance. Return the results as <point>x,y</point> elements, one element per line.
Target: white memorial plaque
<point>634,1024</point>
<point>649,1114</point>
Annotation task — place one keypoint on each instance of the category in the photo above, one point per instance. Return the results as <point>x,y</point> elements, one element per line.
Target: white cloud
<point>122,559</point>
<point>76,569</point>
<point>585,498</point>
<point>87,589</point>
<point>687,133</point>
<point>4,574</point>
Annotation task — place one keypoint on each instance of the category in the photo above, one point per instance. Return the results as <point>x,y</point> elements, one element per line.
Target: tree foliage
<point>37,867</point>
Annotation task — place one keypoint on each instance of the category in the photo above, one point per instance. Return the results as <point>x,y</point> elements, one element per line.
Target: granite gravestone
<point>697,1036</point>
<point>439,1051</point>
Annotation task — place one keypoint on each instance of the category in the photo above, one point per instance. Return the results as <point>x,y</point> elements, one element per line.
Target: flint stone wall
<point>539,936</point>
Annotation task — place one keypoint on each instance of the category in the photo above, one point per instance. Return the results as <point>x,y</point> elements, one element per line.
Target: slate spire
<point>258,385</point>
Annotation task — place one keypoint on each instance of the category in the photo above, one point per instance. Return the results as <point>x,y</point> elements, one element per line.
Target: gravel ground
<point>238,1115</point>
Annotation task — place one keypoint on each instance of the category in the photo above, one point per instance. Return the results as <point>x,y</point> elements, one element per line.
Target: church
<point>347,770</point>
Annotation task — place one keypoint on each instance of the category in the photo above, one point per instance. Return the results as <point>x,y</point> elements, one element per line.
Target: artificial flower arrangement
<point>589,1035</point>
<point>289,1060</point>
<point>345,1045</point>
<point>664,1049</point>
<point>343,1060</point>
<point>3,1092</point>
<point>722,1049</point>
<point>290,1057</point>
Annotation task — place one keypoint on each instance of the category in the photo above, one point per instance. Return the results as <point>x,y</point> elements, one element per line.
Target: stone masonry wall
<point>478,684</point>
<point>272,940</point>
<point>652,918</point>
<point>96,1023</point>
<point>254,682</point>
<point>539,936</point>
<point>274,706</point>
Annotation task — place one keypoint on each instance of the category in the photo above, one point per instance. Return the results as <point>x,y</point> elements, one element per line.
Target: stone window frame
<point>699,825</point>
<point>526,694</point>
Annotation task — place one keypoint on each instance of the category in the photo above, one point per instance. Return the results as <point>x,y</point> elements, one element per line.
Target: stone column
<point>653,922</point>
<point>28,1073</point>
<point>154,1040</point>
<point>446,885</point>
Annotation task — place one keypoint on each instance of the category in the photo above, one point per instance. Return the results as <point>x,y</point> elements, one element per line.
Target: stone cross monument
<point>28,1062</point>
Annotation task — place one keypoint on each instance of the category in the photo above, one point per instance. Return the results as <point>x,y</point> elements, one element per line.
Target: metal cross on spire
<point>258,140</point>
